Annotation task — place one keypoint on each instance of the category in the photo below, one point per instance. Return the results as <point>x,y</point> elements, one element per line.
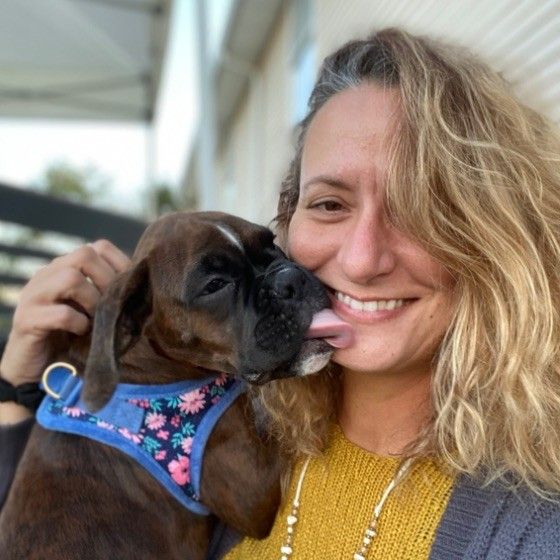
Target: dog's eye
<point>215,285</point>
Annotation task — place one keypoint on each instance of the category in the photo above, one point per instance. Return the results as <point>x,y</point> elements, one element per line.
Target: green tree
<point>163,198</point>
<point>79,185</point>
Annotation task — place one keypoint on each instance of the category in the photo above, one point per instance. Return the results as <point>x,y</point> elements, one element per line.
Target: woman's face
<point>395,295</point>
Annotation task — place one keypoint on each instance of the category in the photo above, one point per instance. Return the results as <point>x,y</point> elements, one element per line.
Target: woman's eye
<point>328,206</point>
<point>215,285</point>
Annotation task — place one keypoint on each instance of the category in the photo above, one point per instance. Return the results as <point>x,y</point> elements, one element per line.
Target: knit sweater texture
<point>339,493</point>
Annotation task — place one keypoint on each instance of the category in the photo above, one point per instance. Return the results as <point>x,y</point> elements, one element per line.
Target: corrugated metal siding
<point>520,38</point>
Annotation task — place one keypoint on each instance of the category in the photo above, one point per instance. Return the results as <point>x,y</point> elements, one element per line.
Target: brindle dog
<point>206,292</point>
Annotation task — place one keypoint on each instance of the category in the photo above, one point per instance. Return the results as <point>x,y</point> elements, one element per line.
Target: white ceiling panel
<point>81,59</point>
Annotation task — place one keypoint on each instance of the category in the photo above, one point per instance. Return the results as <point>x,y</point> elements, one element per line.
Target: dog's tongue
<point>332,328</point>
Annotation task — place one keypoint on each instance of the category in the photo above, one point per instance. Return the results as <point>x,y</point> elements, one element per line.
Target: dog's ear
<point>119,318</point>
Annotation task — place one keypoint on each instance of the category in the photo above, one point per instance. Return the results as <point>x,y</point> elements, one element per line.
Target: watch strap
<point>28,395</point>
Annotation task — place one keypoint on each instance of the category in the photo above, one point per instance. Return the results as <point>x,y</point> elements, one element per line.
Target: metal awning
<point>81,59</point>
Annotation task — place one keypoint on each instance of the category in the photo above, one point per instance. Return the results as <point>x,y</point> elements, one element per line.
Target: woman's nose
<point>366,250</point>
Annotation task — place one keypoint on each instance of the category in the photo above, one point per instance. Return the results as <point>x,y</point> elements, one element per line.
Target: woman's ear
<point>119,319</point>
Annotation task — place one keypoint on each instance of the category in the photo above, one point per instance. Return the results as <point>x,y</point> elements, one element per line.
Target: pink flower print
<point>106,425</point>
<point>142,403</point>
<point>175,421</point>
<point>160,455</point>
<point>186,445</point>
<point>135,438</point>
<point>163,434</point>
<point>73,411</point>
<point>180,470</point>
<point>154,421</point>
<point>192,402</point>
<point>220,381</point>
<point>215,399</point>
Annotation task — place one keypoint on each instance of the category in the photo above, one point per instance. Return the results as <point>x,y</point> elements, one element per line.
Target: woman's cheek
<point>301,247</point>
<point>307,243</point>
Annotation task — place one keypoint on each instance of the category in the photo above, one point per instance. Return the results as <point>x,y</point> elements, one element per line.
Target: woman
<point>427,199</point>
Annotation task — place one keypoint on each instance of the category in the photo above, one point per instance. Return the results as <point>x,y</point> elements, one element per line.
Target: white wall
<point>259,142</point>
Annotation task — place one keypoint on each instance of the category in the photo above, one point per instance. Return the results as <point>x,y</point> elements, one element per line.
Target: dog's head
<point>211,291</point>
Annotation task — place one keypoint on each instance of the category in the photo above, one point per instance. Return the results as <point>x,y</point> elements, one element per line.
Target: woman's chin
<point>358,360</point>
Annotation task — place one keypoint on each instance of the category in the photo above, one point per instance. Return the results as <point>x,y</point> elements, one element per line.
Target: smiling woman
<point>427,198</point>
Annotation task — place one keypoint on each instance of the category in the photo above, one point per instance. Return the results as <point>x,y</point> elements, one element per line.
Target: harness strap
<point>165,428</point>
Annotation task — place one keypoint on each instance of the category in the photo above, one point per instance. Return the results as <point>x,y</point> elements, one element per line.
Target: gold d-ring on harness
<point>44,379</point>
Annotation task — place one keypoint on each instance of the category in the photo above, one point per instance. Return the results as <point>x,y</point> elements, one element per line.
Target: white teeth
<point>374,305</point>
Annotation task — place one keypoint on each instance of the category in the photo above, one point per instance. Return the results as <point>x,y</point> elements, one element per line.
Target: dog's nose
<point>289,283</point>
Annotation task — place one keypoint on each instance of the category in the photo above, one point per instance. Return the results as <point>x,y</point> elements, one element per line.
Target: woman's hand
<point>61,296</point>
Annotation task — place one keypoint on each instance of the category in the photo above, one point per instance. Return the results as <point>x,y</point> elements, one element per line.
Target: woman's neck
<point>383,413</point>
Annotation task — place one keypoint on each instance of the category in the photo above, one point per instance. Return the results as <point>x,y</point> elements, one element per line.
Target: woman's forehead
<point>350,133</point>
<point>361,109</point>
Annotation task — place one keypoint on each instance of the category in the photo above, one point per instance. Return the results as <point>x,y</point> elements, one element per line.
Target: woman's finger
<point>73,286</point>
<point>88,262</point>
<point>39,320</point>
<point>118,260</point>
<point>61,283</point>
<point>64,317</point>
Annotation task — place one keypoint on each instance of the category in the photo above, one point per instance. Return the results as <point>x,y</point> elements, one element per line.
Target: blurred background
<point>113,112</point>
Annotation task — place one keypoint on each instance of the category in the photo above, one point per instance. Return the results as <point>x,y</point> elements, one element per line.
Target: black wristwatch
<point>27,394</point>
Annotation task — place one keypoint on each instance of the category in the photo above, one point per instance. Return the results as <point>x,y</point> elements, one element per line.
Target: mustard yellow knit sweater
<point>339,493</point>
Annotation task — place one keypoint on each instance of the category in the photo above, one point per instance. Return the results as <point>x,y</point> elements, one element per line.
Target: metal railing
<point>50,214</point>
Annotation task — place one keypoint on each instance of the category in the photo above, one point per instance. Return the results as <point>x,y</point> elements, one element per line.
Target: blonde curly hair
<point>474,177</point>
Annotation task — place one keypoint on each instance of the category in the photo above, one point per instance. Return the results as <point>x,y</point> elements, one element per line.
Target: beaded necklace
<point>287,549</point>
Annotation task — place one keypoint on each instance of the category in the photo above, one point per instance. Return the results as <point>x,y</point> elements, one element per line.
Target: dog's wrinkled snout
<point>286,297</point>
<point>289,283</point>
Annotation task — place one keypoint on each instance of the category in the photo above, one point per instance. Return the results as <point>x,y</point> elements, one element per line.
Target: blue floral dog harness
<point>163,427</point>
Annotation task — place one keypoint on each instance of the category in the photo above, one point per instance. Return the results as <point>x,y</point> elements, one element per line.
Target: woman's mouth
<point>372,308</point>
<point>371,305</point>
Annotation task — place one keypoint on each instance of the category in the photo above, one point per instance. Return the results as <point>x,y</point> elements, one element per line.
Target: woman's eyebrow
<point>326,180</point>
